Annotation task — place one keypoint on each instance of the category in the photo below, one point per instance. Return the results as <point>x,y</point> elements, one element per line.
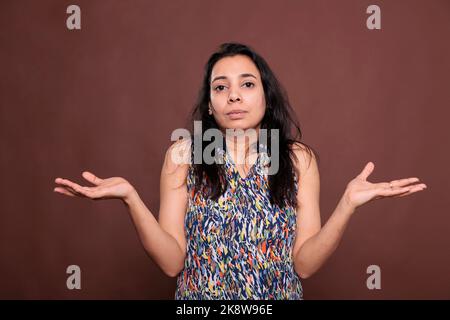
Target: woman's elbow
<point>172,274</point>
<point>301,273</point>
<point>304,275</point>
<point>174,271</point>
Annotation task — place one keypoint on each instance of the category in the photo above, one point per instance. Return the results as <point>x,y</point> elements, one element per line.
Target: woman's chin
<point>235,125</point>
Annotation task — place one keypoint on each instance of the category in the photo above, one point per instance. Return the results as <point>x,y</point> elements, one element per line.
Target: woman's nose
<point>234,97</point>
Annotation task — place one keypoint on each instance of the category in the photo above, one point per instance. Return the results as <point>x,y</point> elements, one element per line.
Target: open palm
<point>360,191</point>
<point>110,188</point>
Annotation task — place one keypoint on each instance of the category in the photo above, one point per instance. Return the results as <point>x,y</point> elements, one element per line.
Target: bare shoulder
<point>178,156</point>
<point>173,191</point>
<point>305,159</point>
<point>308,199</point>
<point>176,163</point>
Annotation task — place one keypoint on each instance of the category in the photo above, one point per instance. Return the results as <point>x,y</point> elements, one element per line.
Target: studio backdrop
<point>101,85</point>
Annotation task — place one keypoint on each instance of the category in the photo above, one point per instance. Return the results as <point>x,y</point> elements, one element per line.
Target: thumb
<point>368,169</point>
<point>92,178</point>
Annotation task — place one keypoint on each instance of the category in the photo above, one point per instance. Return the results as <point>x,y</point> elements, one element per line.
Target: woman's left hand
<point>360,191</point>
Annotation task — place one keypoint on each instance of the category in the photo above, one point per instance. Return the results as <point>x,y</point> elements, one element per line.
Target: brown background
<point>107,97</point>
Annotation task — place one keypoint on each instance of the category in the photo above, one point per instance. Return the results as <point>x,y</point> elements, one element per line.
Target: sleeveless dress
<point>240,246</point>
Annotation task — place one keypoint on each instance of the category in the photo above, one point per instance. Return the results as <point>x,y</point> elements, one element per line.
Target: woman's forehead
<point>234,67</point>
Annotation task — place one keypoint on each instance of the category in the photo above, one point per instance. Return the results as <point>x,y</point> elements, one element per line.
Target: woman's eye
<point>247,84</point>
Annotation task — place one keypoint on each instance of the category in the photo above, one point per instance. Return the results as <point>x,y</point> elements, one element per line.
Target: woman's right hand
<point>109,188</point>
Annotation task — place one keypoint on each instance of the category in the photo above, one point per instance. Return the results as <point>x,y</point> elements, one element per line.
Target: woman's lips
<point>237,115</point>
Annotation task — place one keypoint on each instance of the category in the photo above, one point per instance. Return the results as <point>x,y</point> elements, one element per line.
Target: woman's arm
<point>161,246</point>
<point>316,250</point>
<point>314,244</point>
<point>164,241</point>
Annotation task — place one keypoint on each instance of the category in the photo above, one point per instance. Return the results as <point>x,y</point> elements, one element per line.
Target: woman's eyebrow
<point>243,75</point>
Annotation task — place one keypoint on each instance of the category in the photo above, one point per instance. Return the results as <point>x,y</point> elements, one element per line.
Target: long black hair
<point>278,115</point>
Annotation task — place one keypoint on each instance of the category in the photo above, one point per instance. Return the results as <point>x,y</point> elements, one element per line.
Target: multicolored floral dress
<point>239,247</point>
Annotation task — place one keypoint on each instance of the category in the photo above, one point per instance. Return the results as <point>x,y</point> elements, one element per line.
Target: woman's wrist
<point>346,206</point>
<point>131,196</point>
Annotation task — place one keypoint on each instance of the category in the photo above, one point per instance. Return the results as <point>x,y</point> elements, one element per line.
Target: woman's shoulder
<point>178,156</point>
<point>180,150</point>
<point>304,157</point>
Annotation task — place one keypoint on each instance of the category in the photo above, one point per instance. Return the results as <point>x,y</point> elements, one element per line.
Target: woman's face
<point>236,86</point>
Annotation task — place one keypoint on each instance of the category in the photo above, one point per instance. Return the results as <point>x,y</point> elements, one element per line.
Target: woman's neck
<point>241,146</point>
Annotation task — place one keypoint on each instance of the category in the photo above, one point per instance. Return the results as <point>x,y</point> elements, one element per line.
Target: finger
<point>368,169</point>
<point>77,190</point>
<point>403,182</point>
<point>92,178</point>
<point>388,192</point>
<point>63,191</point>
<point>62,181</point>
<point>67,183</point>
<point>63,184</point>
<point>395,184</point>
<point>411,191</point>
<point>399,191</point>
<point>92,193</point>
<point>73,187</point>
<point>405,185</point>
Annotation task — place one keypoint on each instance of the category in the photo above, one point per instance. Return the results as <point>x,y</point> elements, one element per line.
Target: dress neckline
<point>233,168</point>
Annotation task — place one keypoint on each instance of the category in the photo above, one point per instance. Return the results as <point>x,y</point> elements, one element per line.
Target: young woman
<point>229,229</point>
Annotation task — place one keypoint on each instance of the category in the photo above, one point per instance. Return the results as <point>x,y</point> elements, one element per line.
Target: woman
<point>229,229</point>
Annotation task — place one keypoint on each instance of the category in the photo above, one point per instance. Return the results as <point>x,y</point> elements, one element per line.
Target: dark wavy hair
<point>278,115</point>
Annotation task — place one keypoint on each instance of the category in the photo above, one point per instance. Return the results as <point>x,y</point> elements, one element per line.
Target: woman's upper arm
<point>173,191</point>
<point>308,197</point>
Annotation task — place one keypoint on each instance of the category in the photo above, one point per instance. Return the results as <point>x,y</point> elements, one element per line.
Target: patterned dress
<point>239,247</point>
